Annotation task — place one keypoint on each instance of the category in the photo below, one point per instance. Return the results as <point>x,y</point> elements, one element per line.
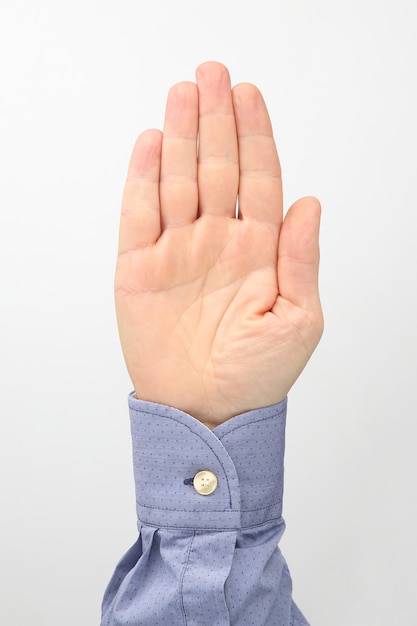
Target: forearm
<point>205,559</point>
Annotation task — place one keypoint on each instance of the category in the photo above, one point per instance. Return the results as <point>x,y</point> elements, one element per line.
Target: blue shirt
<point>205,560</point>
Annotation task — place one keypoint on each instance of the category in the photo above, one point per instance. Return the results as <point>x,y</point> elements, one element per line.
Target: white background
<point>79,80</point>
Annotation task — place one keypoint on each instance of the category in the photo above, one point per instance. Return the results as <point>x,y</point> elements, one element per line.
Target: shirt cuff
<point>245,454</point>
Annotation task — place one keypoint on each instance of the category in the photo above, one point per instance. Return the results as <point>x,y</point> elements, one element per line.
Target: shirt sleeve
<point>209,505</point>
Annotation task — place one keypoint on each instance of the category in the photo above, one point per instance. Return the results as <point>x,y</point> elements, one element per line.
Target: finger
<point>178,184</point>
<point>218,170</point>
<point>298,254</point>
<point>140,218</point>
<point>260,185</point>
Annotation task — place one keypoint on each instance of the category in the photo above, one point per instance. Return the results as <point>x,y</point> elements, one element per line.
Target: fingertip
<point>148,134</point>
<point>149,137</point>
<point>247,100</point>
<point>251,112</point>
<point>300,230</point>
<point>313,202</point>
<point>245,91</point>
<point>208,67</point>
<point>312,205</point>
<point>182,90</point>
<point>306,210</point>
<point>212,75</point>
<point>146,150</point>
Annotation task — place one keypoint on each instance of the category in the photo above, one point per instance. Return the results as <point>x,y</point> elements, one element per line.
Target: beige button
<point>205,482</point>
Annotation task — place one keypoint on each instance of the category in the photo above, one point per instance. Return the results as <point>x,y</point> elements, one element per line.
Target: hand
<point>216,315</point>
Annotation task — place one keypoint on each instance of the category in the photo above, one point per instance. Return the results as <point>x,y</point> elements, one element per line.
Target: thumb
<point>298,254</point>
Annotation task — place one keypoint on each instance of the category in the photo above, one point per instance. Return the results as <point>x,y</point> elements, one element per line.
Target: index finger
<point>260,183</point>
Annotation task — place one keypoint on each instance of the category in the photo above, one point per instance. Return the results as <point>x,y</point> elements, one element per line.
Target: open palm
<point>218,314</point>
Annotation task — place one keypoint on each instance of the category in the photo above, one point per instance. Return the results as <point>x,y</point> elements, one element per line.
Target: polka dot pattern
<point>205,560</point>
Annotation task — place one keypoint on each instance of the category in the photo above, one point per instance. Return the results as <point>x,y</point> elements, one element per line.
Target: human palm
<point>217,313</point>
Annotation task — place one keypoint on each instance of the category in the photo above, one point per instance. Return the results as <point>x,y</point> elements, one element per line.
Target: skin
<point>217,315</point>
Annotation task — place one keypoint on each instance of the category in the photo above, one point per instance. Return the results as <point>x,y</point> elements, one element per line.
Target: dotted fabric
<point>205,560</point>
